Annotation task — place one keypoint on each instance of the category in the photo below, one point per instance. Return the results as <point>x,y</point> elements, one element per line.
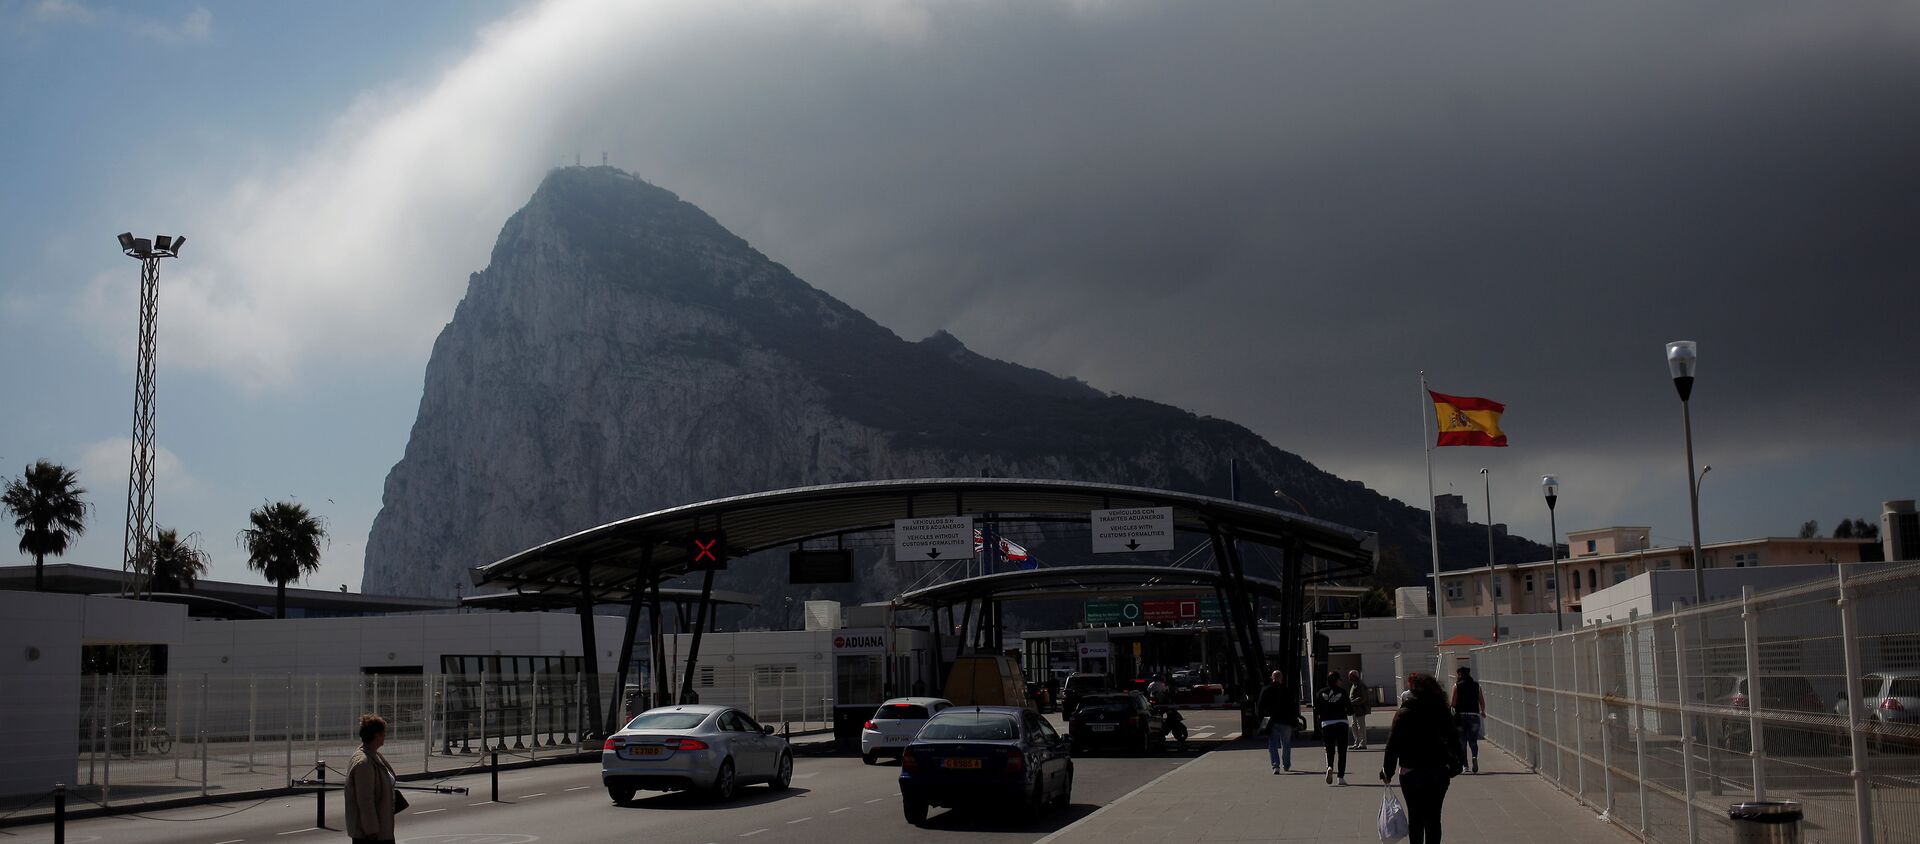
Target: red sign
<point>839,642</point>
<point>707,550</point>
<point>1173,609</point>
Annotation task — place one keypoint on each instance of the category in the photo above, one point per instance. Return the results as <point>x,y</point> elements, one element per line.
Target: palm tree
<point>172,563</point>
<point>47,510</point>
<point>283,543</point>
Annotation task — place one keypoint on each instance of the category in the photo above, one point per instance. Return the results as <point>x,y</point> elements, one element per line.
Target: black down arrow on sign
<point>933,553</point>
<point>1132,544</point>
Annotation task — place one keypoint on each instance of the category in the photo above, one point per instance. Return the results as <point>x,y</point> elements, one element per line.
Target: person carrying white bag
<point>1393,818</point>
<point>1425,748</point>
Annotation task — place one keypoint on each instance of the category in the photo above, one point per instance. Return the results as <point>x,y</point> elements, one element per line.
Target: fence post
<point>200,728</point>
<point>253,707</point>
<point>533,717</point>
<point>1756,734</point>
<point>484,746</point>
<point>106,763</point>
<point>1553,685</point>
<point>426,722</point>
<point>1607,731</point>
<point>1686,720</point>
<point>1850,649</point>
<point>286,725</point>
<point>1579,729</point>
<point>179,719</point>
<point>1639,715</point>
<point>314,733</point>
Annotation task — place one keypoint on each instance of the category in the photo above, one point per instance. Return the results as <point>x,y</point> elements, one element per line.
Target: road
<point>836,796</point>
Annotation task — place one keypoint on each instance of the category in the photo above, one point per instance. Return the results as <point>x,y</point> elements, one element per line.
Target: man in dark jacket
<point>1276,704</point>
<point>1331,708</point>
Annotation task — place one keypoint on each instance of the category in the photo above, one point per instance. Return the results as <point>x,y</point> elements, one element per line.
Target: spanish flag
<point>1468,421</point>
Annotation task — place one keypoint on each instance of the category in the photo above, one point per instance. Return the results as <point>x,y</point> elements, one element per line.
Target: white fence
<point>1653,721</point>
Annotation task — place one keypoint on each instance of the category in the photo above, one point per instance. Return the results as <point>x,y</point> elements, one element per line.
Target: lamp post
<point>1683,358</point>
<point>1493,574</point>
<point>1550,487</point>
<point>140,473</point>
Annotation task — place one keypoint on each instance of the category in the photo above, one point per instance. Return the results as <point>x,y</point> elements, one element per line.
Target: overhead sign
<point>706,550</point>
<point>933,538</point>
<point>832,566</point>
<point>1336,621</point>
<point>1132,529</point>
<point>1134,611</point>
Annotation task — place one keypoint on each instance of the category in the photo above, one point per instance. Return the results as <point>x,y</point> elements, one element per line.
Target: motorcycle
<point>1175,725</point>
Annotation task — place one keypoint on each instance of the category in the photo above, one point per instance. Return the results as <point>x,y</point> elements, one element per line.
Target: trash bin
<point>1765,822</point>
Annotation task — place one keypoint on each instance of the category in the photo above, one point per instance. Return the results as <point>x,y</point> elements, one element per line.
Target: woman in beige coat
<point>370,786</point>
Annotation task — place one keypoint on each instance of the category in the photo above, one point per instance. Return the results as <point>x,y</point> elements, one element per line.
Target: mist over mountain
<point>624,352</point>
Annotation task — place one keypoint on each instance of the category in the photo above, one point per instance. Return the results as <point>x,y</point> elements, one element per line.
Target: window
<point>1590,546</point>
<point>1454,592</point>
<point>1499,588</point>
<point>1553,583</point>
<point>1526,583</point>
<point>1663,565</point>
<point>1620,573</point>
<point>1593,579</point>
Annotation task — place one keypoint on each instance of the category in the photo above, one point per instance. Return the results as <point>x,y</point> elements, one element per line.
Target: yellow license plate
<point>646,750</point>
<point>969,764</point>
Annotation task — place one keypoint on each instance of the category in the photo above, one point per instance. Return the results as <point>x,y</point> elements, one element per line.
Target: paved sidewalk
<point>1229,795</point>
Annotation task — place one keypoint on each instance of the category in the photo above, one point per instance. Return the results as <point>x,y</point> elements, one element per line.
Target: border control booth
<point>931,523</point>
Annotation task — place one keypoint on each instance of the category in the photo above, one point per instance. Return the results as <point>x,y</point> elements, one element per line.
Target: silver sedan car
<point>712,748</point>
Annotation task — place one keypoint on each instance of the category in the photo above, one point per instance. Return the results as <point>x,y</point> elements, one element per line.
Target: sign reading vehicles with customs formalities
<point>1132,529</point>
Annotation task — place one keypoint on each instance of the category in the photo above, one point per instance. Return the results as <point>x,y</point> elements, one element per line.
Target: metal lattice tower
<point>140,474</point>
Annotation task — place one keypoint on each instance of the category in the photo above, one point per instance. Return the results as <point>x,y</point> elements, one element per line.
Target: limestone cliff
<point>624,352</point>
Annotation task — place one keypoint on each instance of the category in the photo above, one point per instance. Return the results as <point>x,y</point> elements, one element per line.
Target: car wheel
<point>783,773</point>
<point>621,795</point>
<point>915,811</point>
<point>723,782</point>
<point>869,758</point>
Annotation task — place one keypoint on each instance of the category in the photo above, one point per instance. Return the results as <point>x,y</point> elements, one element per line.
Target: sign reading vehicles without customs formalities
<point>1132,529</point>
<point>933,538</point>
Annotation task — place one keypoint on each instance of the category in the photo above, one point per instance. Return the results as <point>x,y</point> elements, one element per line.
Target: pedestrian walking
<point>1277,705</point>
<point>1331,708</point>
<point>371,788</point>
<point>1470,711</point>
<point>1423,747</point>
<point>1361,696</point>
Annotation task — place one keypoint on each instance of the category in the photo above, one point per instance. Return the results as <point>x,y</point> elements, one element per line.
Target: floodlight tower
<point>140,475</point>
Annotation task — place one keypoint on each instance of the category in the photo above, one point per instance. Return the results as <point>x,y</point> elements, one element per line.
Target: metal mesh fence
<point>1660,722</point>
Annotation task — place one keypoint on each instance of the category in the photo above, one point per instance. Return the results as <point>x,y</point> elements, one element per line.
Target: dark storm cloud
<point>1279,213</point>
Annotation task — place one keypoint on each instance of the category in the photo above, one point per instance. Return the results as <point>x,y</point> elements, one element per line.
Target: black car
<point>985,756</point>
<point>1079,686</point>
<point>1122,720</point>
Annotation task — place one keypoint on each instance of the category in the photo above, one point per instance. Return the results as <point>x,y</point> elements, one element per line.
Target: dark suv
<point>1116,719</point>
<point>1081,685</point>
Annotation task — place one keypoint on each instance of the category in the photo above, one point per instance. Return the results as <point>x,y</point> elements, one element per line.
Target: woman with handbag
<point>1425,748</point>
<point>372,792</point>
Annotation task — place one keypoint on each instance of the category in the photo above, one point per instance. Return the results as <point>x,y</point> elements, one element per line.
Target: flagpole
<point>1433,520</point>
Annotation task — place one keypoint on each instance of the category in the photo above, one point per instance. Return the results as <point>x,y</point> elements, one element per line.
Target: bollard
<point>496,775</point>
<point>59,813</point>
<point>320,799</point>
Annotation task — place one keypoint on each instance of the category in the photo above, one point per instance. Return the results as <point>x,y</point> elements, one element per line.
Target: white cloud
<point>103,470</point>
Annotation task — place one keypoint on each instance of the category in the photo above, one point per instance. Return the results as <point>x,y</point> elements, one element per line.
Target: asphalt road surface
<point>831,796</point>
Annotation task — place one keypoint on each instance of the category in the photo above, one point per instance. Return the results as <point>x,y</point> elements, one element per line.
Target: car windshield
<point>900,712</point>
<point>1905,687</point>
<point>667,721</point>
<point>1106,703</point>
<point>1084,683</point>
<point>971,727</point>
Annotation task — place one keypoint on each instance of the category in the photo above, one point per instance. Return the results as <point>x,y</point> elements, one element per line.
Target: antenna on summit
<point>603,158</point>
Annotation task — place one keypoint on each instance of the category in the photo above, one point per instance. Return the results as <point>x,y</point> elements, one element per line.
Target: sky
<point>1274,213</point>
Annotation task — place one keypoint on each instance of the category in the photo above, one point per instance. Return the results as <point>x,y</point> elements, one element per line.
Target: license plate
<point>1100,728</point>
<point>968,764</point>
<point>646,750</point>
<point>899,739</point>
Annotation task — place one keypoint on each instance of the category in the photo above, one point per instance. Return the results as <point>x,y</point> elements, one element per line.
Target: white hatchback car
<point>895,724</point>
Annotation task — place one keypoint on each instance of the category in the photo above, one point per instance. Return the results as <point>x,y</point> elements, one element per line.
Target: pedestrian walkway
<point>1229,795</point>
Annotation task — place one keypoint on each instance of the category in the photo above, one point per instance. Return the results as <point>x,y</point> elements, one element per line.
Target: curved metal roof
<point>200,606</point>
<point>609,557</point>
<point>1080,582</point>
<point>568,600</point>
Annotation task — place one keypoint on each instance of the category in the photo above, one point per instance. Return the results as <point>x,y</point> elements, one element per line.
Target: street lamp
<point>1683,359</point>
<point>1550,487</point>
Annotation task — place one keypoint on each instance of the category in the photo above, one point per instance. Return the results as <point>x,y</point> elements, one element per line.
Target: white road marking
<point>1231,736</point>
<point>481,803</point>
<point>799,820</point>
<point>839,810</point>
<point>751,834</point>
<point>1201,735</point>
<point>804,776</point>
<point>297,831</point>
<point>231,841</point>
<point>535,794</point>
<point>429,811</point>
<point>578,787</point>
<point>876,800</point>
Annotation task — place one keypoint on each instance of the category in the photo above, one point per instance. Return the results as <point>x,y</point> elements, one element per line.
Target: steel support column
<point>1292,615</point>
<point>626,643</point>
<point>590,666</point>
<point>657,629</point>
<point>699,629</point>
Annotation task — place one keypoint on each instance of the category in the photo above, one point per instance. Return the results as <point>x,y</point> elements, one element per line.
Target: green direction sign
<point>1142,610</point>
